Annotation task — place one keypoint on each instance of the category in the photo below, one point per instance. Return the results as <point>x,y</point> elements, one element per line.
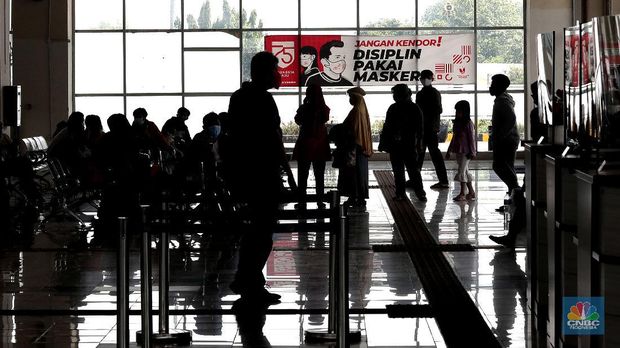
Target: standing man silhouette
<point>255,156</point>
<point>429,100</point>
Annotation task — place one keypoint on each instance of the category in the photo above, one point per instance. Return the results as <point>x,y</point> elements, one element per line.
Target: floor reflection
<point>60,268</point>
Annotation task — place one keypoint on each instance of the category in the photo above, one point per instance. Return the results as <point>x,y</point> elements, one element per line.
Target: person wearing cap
<point>401,137</point>
<point>353,181</point>
<point>429,100</point>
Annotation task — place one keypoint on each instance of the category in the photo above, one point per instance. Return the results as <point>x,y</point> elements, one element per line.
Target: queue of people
<point>129,161</point>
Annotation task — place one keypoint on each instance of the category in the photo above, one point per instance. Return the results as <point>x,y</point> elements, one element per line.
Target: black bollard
<point>122,287</point>
<point>145,286</point>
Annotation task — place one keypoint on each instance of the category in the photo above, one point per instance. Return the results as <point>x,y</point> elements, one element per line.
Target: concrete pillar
<point>43,63</point>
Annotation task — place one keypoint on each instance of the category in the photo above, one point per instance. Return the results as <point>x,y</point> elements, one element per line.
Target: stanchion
<point>337,273</point>
<point>166,335</point>
<point>145,285</point>
<point>343,334</point>
<point>330,333</point>
<point>122,287</point>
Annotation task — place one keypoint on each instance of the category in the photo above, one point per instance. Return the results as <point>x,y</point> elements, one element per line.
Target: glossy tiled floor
<point>59,290</point>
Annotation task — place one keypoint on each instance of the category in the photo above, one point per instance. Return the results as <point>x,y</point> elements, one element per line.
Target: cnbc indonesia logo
<point>583,317</point>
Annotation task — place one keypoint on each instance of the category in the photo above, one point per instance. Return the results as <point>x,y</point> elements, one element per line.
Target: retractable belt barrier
<point>165,334</point>
<point>338,305</point>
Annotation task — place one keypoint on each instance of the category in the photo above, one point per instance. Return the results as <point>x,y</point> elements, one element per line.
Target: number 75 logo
<point>285,51</point>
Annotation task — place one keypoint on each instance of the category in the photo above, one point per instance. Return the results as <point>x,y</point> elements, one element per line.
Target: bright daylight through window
<point>197,52</point>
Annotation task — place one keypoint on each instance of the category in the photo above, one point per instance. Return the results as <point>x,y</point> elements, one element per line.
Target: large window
<point>162,54</point>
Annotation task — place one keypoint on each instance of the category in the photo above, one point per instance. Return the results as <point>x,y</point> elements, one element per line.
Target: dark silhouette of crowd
<point>241,152</point>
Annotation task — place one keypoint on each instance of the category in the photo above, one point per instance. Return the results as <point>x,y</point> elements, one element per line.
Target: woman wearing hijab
<point>312,146</point>
<point>353,180</point>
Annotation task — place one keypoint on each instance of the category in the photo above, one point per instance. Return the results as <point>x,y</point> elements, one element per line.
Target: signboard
<point>335,60</point>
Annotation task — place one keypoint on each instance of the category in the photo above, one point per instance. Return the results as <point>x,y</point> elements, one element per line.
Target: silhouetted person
<point>429,100</point>
<point>59,126</point>
<point>505,136</point>
<point>123,174</point>
<point>147,134</point>
<point>94,129</point>
<point>204,151</point>
<point>538,128</point>
<point>254,158</point>
<point>463,145</point>
<point>333,59</point>
<point>176,130</point>
<point>402,137</point>
<point>312,146</point>
<point>69,144</point>
<point>204,143</point>
<point>353,177</point>
<point>93,135</point>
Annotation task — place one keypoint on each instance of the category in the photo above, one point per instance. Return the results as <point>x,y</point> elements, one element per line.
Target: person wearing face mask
<point>253,158</point>
<point>429,100</point>
<point>204,143</point>
<point>334,64</point>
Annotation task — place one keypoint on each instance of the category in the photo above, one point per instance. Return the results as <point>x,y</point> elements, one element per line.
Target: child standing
<point>463,144</point>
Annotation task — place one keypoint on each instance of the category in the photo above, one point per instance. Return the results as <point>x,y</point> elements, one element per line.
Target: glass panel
<point>200,106</point>
<point>153,14</point>
<point>211,71</point>
<point>159,108</point>
<point>328,13</point>
<point>270,13</point>
<point>208,14</point>
<point>210,39</point>
<point>500,52</point>
<point>387,13</point>
<point>254,42</point>
<point>441,13</point>
<point>102,106</point>
<point>339,106</point>
<point>287,107</point>
<point>377,105</point>
<point>98,14</point>
<point>153,62</point>
<point>446,87</point>
<point>98,63</point>
<point>511,13</point>
<point>387,32</point>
